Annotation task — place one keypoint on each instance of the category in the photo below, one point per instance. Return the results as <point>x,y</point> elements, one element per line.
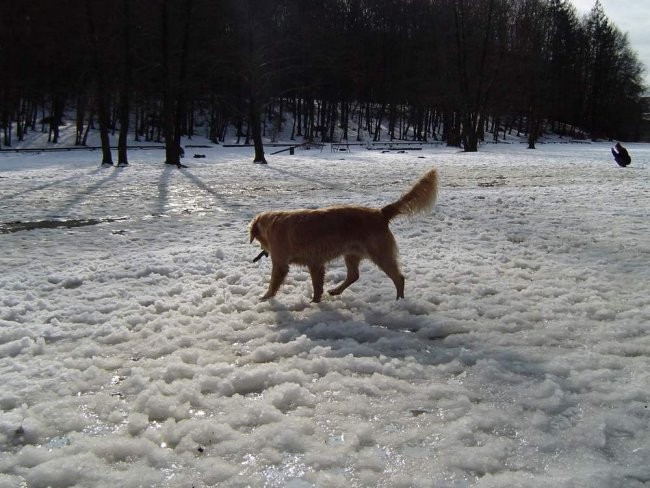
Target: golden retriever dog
<point>312,238</point>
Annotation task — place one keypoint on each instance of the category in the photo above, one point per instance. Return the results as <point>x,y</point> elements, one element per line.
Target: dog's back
<point>318,236</point>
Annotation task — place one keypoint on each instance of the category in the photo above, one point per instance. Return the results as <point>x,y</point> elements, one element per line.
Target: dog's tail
<point>419,199</point>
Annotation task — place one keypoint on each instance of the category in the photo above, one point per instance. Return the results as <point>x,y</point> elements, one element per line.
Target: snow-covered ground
<point>134,350</point>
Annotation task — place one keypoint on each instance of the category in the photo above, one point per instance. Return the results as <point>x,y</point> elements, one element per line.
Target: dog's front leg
<point>317,273</point>
<point>352,264</point>
<point>278,273</point>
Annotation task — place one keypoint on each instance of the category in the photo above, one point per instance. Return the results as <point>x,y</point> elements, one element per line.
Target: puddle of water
<point>10,227</point>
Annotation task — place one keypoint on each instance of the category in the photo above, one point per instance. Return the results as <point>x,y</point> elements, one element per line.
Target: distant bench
<point>401,145</point>
<point>304,145</point>
<point>394,146</point>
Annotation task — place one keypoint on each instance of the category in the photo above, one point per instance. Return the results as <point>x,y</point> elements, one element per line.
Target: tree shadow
<point>324,184</point>
<point>163,189</point>
<point>45,186</point>
<point>82,194</point>
<point>222,200</point>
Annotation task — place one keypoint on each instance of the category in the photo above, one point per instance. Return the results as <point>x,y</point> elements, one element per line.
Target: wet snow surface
<point>134,350</point>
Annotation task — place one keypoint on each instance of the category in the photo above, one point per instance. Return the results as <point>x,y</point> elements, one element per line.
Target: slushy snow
<point>135,352</point>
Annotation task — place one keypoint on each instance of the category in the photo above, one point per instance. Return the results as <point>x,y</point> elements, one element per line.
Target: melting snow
<point>134,350</point>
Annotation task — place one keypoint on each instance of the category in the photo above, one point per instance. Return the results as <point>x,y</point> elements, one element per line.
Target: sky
<point>632,17</point>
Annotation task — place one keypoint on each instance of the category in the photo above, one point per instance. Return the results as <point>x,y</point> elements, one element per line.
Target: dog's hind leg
<point>352,264</point>
<point>388,264</point>
<point>317,273</point>
<point>392,270</point>
<point>278,274</point>
<point>384,254</point>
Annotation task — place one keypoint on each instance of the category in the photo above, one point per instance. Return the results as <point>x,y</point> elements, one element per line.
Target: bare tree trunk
<point>380,116</point>
<point>174,88</point>
<point>6,126</point>
<point>182,80</point>
<point>122,157</point>
<point>298,112</point>
<point>172,155</point>
<point>20,120</point>
<point>102,93</point>
<point>533,126</point>
<point>56,116</point>
<point>256,131</point>
<point>81,111</point>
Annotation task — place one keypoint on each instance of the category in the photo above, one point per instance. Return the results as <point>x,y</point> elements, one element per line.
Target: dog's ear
<point>254,230</point>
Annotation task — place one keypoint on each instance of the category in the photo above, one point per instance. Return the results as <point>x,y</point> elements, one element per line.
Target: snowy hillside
<point>134,349</point>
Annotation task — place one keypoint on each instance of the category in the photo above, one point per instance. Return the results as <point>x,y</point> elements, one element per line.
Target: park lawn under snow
<point>134,350</point>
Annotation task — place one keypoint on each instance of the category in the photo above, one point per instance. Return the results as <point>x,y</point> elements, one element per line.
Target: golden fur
<point>312,238</point>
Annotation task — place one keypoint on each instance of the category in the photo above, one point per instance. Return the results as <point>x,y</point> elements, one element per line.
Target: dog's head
<point>256,231</point>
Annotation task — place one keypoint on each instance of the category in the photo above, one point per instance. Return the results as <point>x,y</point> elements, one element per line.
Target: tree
<point>255,62</point>
<point>418,69</point>
<point>531,51</point>
<point>102,90</point>
<point>564,98</point>
<point>126,85</point>
<point>174,72</point>
<point>612,76</point>
<point>480,48</point>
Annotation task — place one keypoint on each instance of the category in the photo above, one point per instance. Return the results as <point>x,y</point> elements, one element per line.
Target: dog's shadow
<point>365,339</point>
<point>363,331</point>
